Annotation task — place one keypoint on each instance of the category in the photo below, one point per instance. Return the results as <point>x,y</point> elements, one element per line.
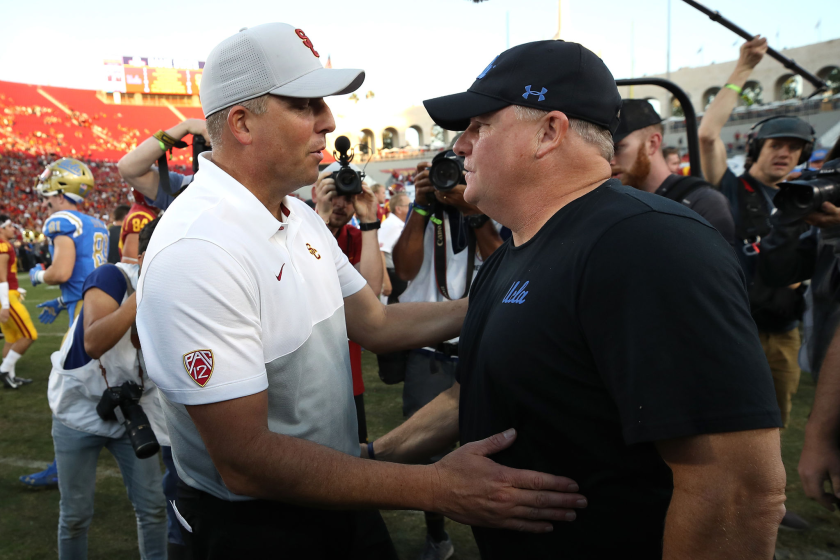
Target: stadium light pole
<point>668,48</point>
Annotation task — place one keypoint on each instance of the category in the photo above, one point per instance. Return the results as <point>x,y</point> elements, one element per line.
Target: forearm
<point>432,430</point>
<point>824,421</point>
<point>277,467</point>
<point>487,239</point>
<point>138,161</point>
<point>103,334</point>
<point>405,326</point>
<point>722,523</point>
<point>57,274</point>
<point>717,113</point>
<point>408,251</point>
<point>370,263</point>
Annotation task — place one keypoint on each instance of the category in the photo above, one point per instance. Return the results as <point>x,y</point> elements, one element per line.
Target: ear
<point>238,124</point>
<point>554,129</point>
<point>654,143</point>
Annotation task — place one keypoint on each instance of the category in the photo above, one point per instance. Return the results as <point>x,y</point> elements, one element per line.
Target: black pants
<point>258,529</point>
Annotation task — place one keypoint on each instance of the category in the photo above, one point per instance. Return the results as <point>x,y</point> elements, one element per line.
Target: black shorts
<point>268,529</point>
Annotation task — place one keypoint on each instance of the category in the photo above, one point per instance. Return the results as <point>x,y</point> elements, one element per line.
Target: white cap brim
<point>323,82</point>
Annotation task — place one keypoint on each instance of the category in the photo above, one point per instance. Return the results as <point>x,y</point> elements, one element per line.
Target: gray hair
<point>216,122</point>
<point>598,136</point>
<point>398,197</point>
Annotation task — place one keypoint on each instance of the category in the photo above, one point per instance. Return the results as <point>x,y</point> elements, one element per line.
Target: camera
<point>447,171</point>
<point>798,198</point>
<point>199,145</point>
<point>347,180</point>
<point>122,404</point>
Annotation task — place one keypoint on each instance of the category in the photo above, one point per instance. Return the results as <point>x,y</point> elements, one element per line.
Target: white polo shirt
<point>232,302</point>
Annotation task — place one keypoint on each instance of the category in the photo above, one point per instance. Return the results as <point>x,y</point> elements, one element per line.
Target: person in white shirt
<point>245,305</point>
<point>388,235</point>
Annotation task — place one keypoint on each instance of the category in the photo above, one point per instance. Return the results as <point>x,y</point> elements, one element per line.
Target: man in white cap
<point>252,357</point>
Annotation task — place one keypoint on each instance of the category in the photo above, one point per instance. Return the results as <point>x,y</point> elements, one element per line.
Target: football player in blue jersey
<point>78,245</point>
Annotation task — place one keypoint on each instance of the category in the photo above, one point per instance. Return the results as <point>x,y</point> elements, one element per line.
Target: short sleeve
<point>176,182</point>
<point>60,225</point>
<point>109,279</point>
<point>349,278</point>
<point>728,184</point>
<point>5,248</point>
<point>199,324</point>
<point>664,309</point>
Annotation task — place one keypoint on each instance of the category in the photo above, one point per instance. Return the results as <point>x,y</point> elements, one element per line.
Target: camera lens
<point>347,181</point>
<point>447,171</point>
<point>139,431</point>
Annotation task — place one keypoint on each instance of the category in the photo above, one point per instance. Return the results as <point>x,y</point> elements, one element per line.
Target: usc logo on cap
<point>307,42</point>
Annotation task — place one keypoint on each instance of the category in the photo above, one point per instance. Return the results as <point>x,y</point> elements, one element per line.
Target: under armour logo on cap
<point>540,93</point>
<point>489,67</point>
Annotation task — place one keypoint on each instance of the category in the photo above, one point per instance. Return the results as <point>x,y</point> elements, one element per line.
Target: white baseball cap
<point>274,58</point>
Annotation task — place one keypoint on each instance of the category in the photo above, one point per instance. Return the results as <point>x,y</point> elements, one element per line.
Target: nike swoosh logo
<point>279,276</point>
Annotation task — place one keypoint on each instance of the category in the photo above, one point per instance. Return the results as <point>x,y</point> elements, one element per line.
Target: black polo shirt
<point>624,321</point>
<point>706,201</point>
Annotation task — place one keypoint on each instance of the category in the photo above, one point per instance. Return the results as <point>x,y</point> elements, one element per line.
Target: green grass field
<point>28,518</point>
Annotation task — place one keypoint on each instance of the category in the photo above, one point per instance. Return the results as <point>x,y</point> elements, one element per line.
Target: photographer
<point>438,272</point>
<point>638,162</point>
<point>137,166</point>
<point>97,358</point>
<point>361,249</point>
<point>778,145</point>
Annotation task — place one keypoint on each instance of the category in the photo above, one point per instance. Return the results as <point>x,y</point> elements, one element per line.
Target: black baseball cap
<point>547,75</point>
<point>785,127</point>
<point>636,114</point>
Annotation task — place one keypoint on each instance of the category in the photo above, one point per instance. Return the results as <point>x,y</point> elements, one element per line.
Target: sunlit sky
<point>410,50</point>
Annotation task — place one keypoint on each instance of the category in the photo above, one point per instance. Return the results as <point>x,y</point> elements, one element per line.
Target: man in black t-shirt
<point>638,162</point>
<point>623,357</point>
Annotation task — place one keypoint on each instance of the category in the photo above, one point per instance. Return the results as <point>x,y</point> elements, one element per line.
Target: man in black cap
<point>638,162</point>
<point>625,357</point>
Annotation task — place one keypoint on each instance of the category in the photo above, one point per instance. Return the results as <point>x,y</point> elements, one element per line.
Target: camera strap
<point>754,223</point>
<point>129,290</point>
<point>440,254</point>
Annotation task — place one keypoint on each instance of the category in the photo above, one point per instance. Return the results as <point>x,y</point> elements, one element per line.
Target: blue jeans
<point>76,454</point>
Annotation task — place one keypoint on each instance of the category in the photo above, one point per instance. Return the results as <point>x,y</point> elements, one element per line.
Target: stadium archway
<point>831,76</point>
<point>439,139</point>
<point>390,138</point>
<point>368,140</point>
<point>709,96</point>
<point>752,93</point>
<point>414,136</point>
<point>788,87</point>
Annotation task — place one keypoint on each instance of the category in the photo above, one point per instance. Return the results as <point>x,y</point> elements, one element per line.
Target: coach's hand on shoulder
<point>424,191</point>
<point>475,490</point>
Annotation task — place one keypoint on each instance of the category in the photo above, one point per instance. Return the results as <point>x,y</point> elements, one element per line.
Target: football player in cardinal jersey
<point>15,323</point>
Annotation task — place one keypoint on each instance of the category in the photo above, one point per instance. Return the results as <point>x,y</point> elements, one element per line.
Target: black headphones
<point>754,143</point>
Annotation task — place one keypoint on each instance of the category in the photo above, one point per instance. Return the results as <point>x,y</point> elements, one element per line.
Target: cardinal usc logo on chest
<point>199,364</point>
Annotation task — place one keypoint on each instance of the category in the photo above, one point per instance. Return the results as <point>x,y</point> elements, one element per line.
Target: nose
<point>463,147</point>
<point>325,123</point>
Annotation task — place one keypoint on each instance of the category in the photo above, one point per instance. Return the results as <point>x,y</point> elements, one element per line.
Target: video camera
<point>348,181</point>
<point>122,404</point>
<point>447,171</point>
<point>798,198</point>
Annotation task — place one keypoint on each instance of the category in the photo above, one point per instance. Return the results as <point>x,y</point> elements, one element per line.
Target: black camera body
<point>798,198</point>
<point>347,180</point>
<point>122,404</point>
<point>199,145</point>
<point>447,171</point>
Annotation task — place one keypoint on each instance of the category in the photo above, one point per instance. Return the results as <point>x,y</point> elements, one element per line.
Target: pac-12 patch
<point>199,364</point>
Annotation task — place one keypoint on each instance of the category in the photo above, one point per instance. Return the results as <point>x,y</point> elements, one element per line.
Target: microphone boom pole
<point>786,62</point>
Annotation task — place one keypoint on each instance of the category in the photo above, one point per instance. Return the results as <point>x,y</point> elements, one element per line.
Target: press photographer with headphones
<point>775,147</point>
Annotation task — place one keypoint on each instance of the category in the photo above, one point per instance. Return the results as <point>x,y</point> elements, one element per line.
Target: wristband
<point>422,211</point>
<point>371,454</point>
<point>369,226</point>
<point>4,295</point>
<point>162,145</point>
<point>39,276</point>
<point>734,88</point>
<point>167,142</point>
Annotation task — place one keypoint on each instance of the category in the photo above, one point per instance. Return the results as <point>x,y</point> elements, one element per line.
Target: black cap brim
<point>453,112</point>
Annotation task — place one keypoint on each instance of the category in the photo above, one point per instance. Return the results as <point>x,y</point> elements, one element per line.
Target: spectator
<point>138,169</point>
<point>672,159</point>
<point>638,163</point>
<point>817,159</point>
<point>381,194</point>
<point>389,234</point>
<point>114,231</point>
